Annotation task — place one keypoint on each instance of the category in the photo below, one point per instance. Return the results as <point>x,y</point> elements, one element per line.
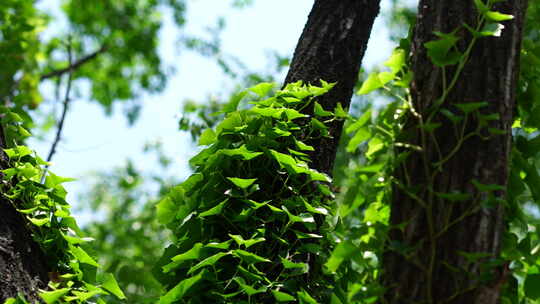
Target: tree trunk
<point>449,251</point>
<point>23,268</point>
<point>331,48</point>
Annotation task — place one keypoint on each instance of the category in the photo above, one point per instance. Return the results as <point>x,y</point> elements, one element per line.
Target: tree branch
<point>64,110</point>
<point>75,65</point>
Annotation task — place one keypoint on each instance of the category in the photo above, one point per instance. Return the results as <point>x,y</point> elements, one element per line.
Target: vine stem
<point>65,105</point>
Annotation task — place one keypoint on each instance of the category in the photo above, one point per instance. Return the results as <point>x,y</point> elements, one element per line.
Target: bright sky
<point>94,142</point>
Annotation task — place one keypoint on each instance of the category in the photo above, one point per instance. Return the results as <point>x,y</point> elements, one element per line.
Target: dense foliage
<point>250,225</point>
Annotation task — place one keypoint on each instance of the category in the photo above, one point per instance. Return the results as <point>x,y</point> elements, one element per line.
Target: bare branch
<point>64,110</point>
<point>74,65</point>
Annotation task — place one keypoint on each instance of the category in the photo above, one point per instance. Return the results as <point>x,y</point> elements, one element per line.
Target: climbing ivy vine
<point>40,198</point>
<point>251,224</point>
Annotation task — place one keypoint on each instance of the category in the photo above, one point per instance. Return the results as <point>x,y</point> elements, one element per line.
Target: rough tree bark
<point>23,268</point>
<point>433,270</point>
<point>331,48</point>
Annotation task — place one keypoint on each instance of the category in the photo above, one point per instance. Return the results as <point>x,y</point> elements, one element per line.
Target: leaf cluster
<point>249,225</point>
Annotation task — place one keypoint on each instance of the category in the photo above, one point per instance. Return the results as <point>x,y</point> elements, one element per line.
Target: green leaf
<point>243,183</point>
<point>396,62</point>
<point>39,221</point>
<point>208,137</point>
<point>215,210</point>
<point>179,291</point>
<point>342,252</point>
<point>242,152</point>
<point>249,290</point>
<point>166,211</point>
<point>487,187</point>
<point>453,117</point>
<point>361,135</point>
<point>471,106</point>
<point>232,105</point>
<point>110,284</point>
<point>262,89</point>
<point>292,265</point>
<point>303,146</point>
<point>249,257</point>
<point>54,296</point>
<point>191,254</point>
<point>247,243</point>
<point>82,256</point>
<point>319,111</point>
<point>498,17</point>
<point>339,112</point>
<point>208,261</point>
<point>293,114</point>
<point>365,118</point>
<point>305,298</point>
<point>532,286</point>
<point>374,145</point>
<point>282,296</point>
<point>372,83</point>
<point>440,50</point>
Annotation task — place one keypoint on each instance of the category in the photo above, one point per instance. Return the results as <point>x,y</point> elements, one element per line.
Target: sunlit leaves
<point>253,203</point>
<point>442,51</point>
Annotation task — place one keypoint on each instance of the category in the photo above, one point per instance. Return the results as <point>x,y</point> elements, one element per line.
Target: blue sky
<point>94,142</point>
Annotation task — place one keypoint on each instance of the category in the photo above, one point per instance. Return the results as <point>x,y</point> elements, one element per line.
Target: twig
<point>64,110</point>
<point>74,65</point>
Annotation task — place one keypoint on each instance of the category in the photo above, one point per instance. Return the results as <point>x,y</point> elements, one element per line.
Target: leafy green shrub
<point>250,225</point>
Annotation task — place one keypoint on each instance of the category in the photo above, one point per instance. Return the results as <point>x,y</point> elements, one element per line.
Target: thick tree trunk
<point>23,268</point>
<point>331,48</point>
<point>427,260</point>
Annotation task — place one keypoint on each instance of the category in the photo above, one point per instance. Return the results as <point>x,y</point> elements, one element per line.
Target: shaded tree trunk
<point>23,268</point>
<point>331,48</point>
<point>449,251</point>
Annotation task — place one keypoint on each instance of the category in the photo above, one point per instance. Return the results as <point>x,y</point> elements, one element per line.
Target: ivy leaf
<point>166,211</point>
<point>249,290</point>
<point>339,112</point>
<point>179,291</point>
<point>365,118</point>
<point>249,257</point>
<point>372,83</point>
<point>232,105</point>
<point>191,254</point>
<point>492,29</point>
<point>208,137</point>
<point>319,111</point>
<point>498,17</point>
<point>243,183</point>
<point>282,296</point>
<point>471,106</point>
<point>82,256</point>
<point>242,151</point>
<point>396,62</point>
<point>54,296</point>
<point>262,89</point>
<point>361,135</point>
<point>215,210</point>
<point>247,243</point>
<point>110,284</point>
<point>343,251</point>
<point>440,50</point>
<point>208,261</point>
<point>305,298</point>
